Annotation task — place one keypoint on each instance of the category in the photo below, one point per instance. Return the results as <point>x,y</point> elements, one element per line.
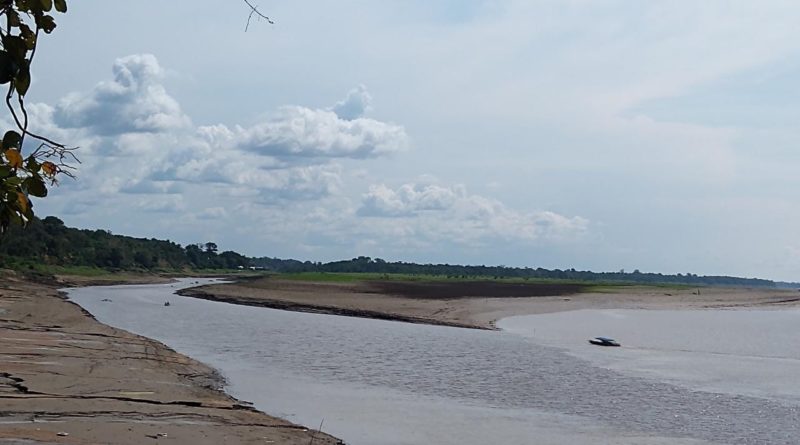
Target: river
<point>374,382</point>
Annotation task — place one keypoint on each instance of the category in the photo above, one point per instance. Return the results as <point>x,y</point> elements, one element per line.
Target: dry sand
<point>474,304</point>
<point>61,371</point>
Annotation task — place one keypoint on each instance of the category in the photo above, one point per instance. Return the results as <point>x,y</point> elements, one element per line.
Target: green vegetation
<point>25,169</point>
<point>366,268</point>
<point>588,285</point>
<point>47,246</point>
<point>50,247</point>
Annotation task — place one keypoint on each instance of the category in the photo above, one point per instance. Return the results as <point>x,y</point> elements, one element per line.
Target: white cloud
<point>357,103</point>
<point>437,213</point>
<point>122,127</point>
<point>299,132</point>
<point>135,101</point>
<point>409,199</point>
<point>300,135</point>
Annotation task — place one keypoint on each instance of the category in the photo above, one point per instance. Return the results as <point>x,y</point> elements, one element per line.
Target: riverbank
<point>66,378</point>
<point>475,304</point>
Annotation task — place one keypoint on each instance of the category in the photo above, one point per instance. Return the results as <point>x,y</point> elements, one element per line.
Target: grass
<point>332,277</point>
<point>589,286</point>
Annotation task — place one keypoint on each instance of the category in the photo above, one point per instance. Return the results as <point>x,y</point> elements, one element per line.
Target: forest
<point>49,242</point>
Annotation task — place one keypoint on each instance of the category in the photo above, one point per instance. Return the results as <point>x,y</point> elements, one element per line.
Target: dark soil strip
<point>471,289</point>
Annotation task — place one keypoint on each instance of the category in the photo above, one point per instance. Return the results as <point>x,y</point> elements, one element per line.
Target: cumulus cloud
<point>440,212</point>
<point>135,101</point>
<point>301,135</point>
<point>287,157</point>
<point>207,159</point>
<point>408,199</point>
<point>355,105</point>
<point>299,132</point>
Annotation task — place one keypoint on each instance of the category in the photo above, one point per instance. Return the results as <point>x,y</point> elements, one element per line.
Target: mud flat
<point>475,304</point>
<point>66,378</point>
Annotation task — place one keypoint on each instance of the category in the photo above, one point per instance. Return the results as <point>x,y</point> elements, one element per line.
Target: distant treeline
<point>50,242</point>
<point>364,264</point>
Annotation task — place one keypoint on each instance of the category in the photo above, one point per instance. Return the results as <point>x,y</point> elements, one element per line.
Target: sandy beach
<point>66,378</point>
<point>475,304</point>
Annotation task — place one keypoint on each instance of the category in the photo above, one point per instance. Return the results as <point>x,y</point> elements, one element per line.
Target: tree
<point>25,171</point>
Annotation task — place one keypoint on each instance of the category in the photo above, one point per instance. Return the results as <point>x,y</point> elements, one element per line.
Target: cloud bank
<point>283,177</point>
<point>452,213</point>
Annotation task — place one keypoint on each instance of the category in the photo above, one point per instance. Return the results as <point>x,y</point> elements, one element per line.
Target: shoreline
<point>449,304</point>
<point>67,378</point>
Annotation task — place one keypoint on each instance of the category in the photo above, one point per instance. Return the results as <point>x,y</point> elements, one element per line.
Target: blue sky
<point>590,134</point>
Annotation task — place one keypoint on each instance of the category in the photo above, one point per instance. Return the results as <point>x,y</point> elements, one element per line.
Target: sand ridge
<point>475,304</point>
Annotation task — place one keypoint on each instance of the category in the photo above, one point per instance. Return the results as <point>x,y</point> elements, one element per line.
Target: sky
<point>600,135</point>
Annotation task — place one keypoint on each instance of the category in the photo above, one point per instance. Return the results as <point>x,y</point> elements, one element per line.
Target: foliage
<point>49,242</point>
<point>23,175</point>
<point>341,271</point>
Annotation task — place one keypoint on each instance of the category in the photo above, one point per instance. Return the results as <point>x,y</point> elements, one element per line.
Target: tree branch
<point>254,11</point>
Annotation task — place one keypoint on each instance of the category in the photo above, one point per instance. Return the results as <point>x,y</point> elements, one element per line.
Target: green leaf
<point>61,5</point>
<point>13,18</point>
<point>46,4</point>
<point>7,67</point>
<point>32,165</point>
<point>28,36</point>
<point>11,139</point>
<point>5,171</point>
<point>35,186</point>
<point>13,182</point>
<point>22,81</point>
<point>46,23</point>
<point>16,47</point>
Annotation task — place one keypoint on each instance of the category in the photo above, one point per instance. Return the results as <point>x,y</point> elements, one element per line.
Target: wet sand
<point>475,304</point>
<point>66,378</point>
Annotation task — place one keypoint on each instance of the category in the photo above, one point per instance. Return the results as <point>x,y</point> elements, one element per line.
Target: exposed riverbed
<point>380,382</point>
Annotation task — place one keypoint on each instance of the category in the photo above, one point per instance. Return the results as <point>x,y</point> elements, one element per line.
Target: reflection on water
<point>371,380</point>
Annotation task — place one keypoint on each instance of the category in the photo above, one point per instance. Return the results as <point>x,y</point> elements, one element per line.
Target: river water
<point>374,382</point>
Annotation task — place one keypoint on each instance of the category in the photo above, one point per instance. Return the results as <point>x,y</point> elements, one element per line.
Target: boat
<point>603,341</point>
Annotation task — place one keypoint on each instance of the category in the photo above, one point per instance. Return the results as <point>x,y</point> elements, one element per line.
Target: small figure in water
<point>166,303</point>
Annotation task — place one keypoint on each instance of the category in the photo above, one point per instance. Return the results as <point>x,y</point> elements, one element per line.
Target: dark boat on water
<point>603,341</point>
